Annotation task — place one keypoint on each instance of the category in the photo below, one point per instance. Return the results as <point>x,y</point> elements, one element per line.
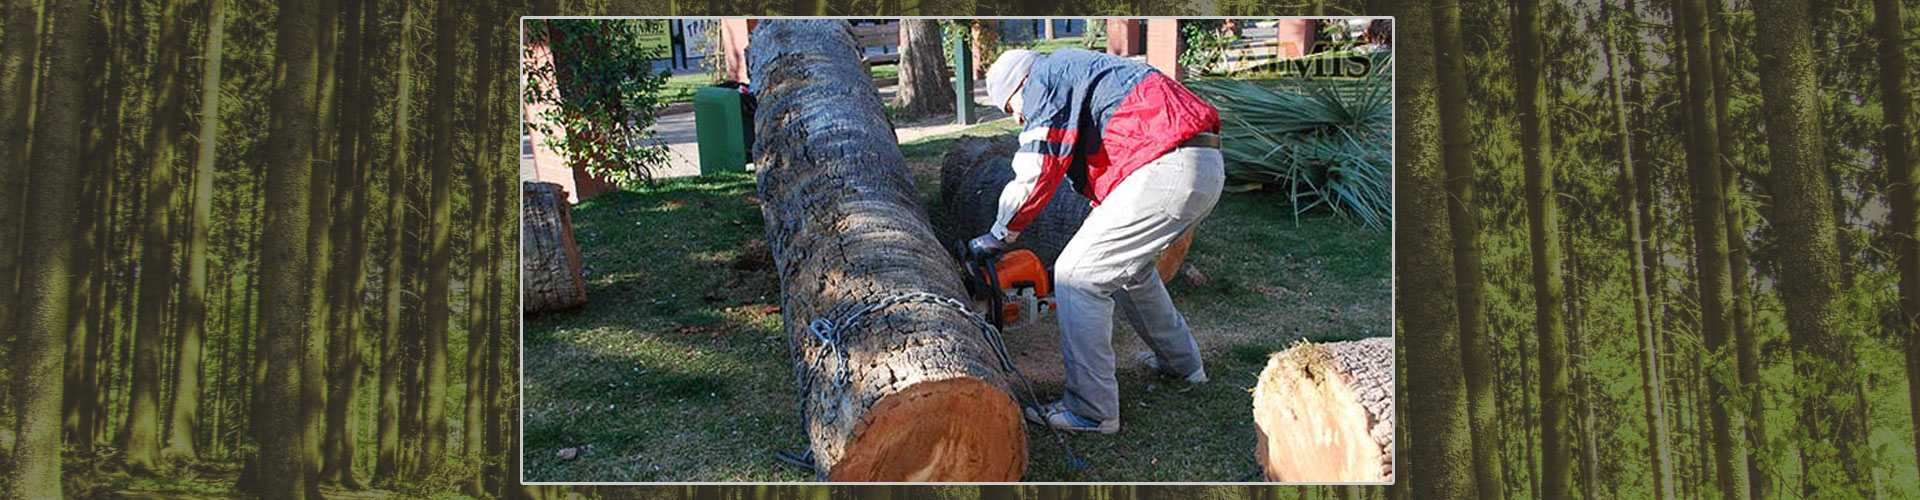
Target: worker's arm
<point>1046,151</point>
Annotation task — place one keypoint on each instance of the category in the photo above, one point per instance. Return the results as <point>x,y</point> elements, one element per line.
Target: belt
<point>1202,140</point>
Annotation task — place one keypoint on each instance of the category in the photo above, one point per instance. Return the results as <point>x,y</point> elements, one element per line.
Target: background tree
<point>1903,181</point>
<point>34,471</point>
<point>1543,222</point>
<point>1802,211</point>
<point>924,85</point>
<point>1427,282</point>
<point>1463,216</point>
<point>183,427</point>
<point>286,463</point>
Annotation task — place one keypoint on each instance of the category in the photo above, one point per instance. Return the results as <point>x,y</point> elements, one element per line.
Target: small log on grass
<point>911,391</point>
<point>1324,412</point>
<point>975,170</point>
<point>550,263</point>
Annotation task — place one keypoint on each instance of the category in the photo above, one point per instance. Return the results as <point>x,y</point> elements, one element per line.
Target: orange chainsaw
<point>1014,284</point>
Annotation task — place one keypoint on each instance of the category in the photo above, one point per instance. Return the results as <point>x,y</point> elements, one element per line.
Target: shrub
<point>1328,141</point>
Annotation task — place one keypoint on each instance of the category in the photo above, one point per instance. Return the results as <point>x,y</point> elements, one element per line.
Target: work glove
<point>987,245</point>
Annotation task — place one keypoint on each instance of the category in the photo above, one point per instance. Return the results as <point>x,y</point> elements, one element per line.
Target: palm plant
<point>1327,141</point>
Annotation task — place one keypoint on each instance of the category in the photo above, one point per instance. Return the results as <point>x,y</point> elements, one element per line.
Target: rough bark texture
<point>1896,106</point>
<point>184,416</point>
<point>283,457</point>
<point>550,263</point>
<point>913,392</point>
<point>34,469</point>
<point>387,456</point>
<point>975,170</point>
<point>1803,213</point>
<point>1543,222</point>
<point>972,174</point>
<point>923,69</point>
<point>1324,413</point>
<point>22,32</point>
<point>1714,274</point>
<point>156,249</point>
<point>1426,305</point>
<point>1463,215</point>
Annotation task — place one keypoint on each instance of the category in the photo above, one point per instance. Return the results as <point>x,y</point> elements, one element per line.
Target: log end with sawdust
<point>551,277</point>
<point>897,381</point>
<point>1324,413</point>
<point>975,170</point>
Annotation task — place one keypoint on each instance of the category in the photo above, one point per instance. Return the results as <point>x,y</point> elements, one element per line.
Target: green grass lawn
<point>677,369</point>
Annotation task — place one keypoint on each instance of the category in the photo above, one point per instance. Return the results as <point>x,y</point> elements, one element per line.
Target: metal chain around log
<point>549,260</point>
<point>912,392</point>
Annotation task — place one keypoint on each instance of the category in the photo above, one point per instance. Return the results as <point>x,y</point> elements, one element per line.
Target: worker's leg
<point>1116,249</point>
<point>1150,311</point>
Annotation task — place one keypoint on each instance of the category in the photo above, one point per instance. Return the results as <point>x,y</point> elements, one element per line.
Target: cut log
<point>1324,413</point>
<point>910,391</point>
<point>975,170</point>
<point>550,262</point>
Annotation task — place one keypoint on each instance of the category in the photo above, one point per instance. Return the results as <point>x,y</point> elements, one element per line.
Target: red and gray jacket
<point>1093,118</point>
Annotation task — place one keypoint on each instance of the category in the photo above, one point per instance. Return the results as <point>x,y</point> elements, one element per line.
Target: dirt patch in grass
<point>678,369</point>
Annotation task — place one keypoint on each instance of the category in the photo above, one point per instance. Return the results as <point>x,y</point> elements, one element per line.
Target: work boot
<point>1199,376</point>
<point>1057,416</point>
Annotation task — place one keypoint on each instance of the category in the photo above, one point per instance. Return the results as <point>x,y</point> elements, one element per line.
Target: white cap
<point>1006,74</point>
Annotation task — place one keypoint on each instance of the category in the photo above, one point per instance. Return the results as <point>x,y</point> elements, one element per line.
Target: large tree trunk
<point>440,256</point>
<point>923,70</point>
<point>1803,213</point>
<point>886,386</point>
<point>478,282</point>
<point>387,462</point>
<point>1714,274</point>
<point>1658,454</point>
<point>1427,307</point>
<point>348,235</point>
<point>1543,221</point>
<point>1740,343</point>
<point>156,248</point>
<point>1896,109</point>
<point>285,468</point>
<point>33,471</point>
<point>975,170</point>
<point>313,377</point>
<point>550,262</point>
<point>184,419</point>
<point>17,72</point>
<point>1463,215</point>
<point>97,171</point>
<point>1324,413</point>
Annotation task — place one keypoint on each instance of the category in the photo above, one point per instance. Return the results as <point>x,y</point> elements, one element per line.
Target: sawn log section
<point>913,392</point>
<point>549,260</point>
<point>1324,413</point>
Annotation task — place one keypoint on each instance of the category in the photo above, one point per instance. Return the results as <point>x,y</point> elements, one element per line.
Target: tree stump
<point>1324,413</point>
<point>975,170</point>
<point>550,262</point>
<point>909,390</point>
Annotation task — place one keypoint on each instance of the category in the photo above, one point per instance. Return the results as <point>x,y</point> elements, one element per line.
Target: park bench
<point>878,35</point>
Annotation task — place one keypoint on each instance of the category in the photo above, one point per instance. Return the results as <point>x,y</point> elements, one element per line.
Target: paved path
<point>676,131</point>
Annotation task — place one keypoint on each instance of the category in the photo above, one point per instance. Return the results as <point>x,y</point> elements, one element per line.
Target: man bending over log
<point>1146,151</point>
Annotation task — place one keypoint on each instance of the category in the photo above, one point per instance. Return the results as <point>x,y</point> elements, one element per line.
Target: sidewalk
<point>676,131</point>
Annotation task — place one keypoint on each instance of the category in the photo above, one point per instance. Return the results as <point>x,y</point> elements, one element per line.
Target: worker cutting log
<point>1146,152</point>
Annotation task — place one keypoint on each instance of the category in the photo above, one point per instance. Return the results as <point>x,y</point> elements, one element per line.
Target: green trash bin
<point>716,120</point>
